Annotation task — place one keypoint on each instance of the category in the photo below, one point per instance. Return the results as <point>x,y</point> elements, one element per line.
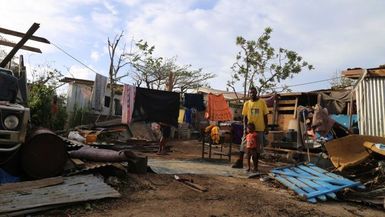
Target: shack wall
<point>370,97</point>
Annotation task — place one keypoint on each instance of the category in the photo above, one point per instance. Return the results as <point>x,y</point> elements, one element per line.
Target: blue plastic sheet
<point>7,178</point>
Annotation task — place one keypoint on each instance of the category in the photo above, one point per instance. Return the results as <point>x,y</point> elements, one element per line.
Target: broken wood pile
<point>354,157</point>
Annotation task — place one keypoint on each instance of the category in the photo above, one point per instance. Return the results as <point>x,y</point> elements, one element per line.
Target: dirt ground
<point>161,195</point>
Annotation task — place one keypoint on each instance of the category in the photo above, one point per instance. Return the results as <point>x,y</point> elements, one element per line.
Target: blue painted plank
<point>301,185</point>
<point>290,185</point>
<point>308,189</point>
<point>314,185</point>
<point>332,190</point>
<point>331,194</point>
<point>337,176</point>
<point>312,182</point>
<point>332,175</point>
<point>322,197</point>
<point>341,182</point>
<point>298,175</point>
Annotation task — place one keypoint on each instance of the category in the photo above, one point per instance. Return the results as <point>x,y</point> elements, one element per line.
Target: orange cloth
<point>251,140</point>
<point>218,109</point>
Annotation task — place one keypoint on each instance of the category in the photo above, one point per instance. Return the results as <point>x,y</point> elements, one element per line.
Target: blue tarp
<point>344,119</point>
<point>7,178</point>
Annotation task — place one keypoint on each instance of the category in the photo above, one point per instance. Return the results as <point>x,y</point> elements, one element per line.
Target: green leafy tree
<point>166,74</point>
<point>47,109</point>
<point>259,64</point>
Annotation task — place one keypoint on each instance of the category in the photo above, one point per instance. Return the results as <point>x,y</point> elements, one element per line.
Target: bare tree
<point>117,62</point>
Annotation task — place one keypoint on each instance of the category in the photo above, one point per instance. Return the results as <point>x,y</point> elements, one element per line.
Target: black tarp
<point>193,100</point>
<point>156,106</point>
<point>8,86</point>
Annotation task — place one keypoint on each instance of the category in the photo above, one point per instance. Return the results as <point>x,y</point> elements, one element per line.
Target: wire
<point>311,82</point>
<point>77,60</point>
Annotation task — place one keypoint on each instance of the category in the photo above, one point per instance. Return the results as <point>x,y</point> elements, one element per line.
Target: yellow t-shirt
<point>255,111</point>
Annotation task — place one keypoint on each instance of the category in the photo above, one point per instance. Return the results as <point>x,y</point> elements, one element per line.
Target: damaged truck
<point>26,152</point>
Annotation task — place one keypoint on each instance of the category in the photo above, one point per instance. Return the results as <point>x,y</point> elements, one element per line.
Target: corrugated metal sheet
<point>74,189</point>
<point>371,106</point>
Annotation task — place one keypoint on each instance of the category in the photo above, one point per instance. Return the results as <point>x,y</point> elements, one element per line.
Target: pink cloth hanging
<point>127,102</point>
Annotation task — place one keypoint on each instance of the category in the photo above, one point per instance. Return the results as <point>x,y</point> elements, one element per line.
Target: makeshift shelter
<point>79,95</point>
<point>370,95</point>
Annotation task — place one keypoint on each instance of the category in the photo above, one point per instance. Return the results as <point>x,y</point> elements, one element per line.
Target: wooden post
<point>203,144</point>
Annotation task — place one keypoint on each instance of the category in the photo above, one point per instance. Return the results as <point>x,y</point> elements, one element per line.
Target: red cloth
<point>218,109</point>
<point>127,102</point>
<point>251,140</point>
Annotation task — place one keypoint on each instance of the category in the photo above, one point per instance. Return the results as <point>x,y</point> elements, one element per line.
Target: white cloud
<point>80,72</point>
<point>111,8</point>
<point>104,21</point>
<point>130,3</point>
<point>95,56</point>
<point>332,35</point>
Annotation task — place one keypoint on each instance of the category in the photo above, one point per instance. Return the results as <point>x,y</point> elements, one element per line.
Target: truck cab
<point>14,117</point>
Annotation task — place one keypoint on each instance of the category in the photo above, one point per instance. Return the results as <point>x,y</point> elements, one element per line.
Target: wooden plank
<point>29,185</point>
<point>288,108</point>
<point>24,47</point>
<point>295,108</point>
<point>220,153</point>
<point>352,73</point>
<point>287,102</point>
<point>78,162</point>
<point>377,72</point>
<point>19,34</point>
<point>356,73</point>
<point>74,189</point>
<point>196,186</point>
<point>12,53</point>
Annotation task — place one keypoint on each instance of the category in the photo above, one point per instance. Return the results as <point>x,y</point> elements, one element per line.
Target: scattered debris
<point>341,158</point>
<point>312,182</point>
<point>189,183</point>
<point>374,197</point>
<point>75,135</point>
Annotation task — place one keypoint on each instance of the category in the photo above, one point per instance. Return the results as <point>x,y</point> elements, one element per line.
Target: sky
<point>332,35</point>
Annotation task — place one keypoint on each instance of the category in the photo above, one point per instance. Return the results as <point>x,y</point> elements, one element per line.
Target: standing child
<point>252,147</point>
<point>165,130</point>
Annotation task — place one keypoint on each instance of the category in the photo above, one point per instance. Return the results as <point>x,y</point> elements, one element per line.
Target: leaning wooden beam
<point>20,34</point>
<point>10,44</point>
<point>20,44</point>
